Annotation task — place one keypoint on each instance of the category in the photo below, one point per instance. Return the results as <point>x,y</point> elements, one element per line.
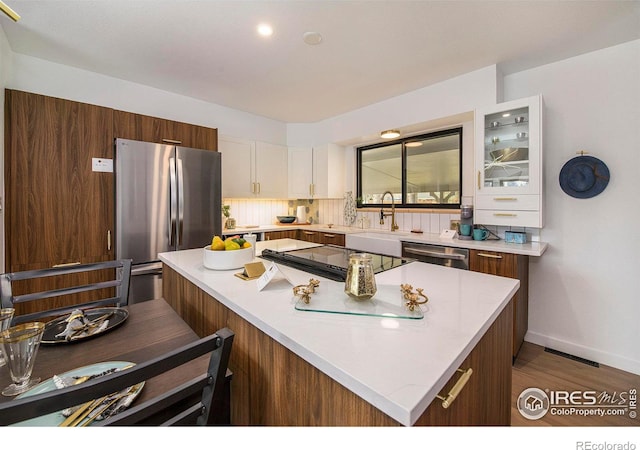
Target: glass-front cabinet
<point>508,164</point>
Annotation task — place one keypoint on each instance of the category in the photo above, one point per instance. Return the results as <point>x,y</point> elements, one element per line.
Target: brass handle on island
<point>456,389</point>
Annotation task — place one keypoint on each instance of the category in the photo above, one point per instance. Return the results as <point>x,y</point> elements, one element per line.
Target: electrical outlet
<point>102,164</point>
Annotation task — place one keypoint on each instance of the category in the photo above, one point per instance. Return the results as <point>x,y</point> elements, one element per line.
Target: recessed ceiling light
<point>265,29</point>
<point>506,114</point>
<point>312,38</point>
<point>390,134</point>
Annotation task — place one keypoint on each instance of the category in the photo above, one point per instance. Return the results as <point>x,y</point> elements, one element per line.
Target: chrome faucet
<point>394,225</point>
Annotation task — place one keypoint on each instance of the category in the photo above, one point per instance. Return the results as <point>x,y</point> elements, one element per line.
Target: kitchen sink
<point>375,243</point>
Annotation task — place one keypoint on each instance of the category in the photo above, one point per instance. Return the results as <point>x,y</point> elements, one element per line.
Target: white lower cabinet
<point>253,169</point>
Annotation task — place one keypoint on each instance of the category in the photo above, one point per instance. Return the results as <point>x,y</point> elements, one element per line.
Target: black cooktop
<point>329,261</point>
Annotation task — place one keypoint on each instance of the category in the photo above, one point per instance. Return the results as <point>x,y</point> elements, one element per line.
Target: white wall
<point>585,290</point>
<point>43,77</point>
<point>414,109</point>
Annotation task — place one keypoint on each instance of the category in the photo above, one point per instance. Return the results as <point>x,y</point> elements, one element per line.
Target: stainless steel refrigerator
<point>167,198</point>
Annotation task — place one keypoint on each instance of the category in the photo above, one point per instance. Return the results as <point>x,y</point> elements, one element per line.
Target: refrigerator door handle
<point>180,200</point>
<point>173,201</point>
<point>146,271</point>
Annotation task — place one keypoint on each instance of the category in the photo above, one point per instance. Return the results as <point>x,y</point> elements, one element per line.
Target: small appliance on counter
<point>466,223</point>
<point>301,214</point>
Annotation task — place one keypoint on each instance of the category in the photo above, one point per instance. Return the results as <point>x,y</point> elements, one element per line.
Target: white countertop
<point>397,365</point>
<point>529,248</point>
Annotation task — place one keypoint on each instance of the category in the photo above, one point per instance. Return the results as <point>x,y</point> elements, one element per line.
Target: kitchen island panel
<point>274,386</point>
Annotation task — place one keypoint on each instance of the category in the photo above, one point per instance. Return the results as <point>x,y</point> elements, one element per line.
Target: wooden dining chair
<point>187,404</point>
<point>59,290</point>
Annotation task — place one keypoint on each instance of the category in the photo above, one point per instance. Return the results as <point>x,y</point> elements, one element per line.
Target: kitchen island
<point>296,367</point>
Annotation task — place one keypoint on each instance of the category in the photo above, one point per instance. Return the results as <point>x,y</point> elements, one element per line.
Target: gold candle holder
<point>304,291</point>
<point>412,298</point>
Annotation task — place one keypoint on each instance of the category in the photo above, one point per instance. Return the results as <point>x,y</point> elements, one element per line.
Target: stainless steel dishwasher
<point>437,254</point>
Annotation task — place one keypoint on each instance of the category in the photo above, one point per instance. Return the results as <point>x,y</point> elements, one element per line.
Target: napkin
<point>78,325</point>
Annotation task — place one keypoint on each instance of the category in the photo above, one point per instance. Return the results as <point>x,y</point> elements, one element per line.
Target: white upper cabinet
<point>508,164</point>
<point>271,170</point>
<point>316,172</point>
<point>300,172</point>
<point>253,169</point>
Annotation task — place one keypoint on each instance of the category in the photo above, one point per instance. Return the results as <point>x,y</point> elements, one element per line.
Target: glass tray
<point>388,302</point>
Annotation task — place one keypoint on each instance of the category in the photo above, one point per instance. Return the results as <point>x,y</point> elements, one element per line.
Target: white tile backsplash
<point>264,212</point>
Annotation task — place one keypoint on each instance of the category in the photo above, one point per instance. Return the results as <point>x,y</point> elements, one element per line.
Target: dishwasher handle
<point>434,254</point>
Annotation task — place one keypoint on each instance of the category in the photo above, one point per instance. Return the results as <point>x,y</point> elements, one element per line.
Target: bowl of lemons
<point>226,254</point>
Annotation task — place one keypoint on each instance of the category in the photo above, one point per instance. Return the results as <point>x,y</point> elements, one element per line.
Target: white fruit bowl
<point>227,259</point>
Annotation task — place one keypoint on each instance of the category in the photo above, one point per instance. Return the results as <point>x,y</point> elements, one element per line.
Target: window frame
<point>402,141</point>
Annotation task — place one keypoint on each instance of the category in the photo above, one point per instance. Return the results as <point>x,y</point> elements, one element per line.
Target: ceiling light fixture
<point>9,12</point>
<point>312,38</point>
<point>390,134</point>
<point>413,144</point>
<point>265,30</point>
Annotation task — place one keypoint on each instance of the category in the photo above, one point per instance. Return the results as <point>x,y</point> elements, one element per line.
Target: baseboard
<point>609,359</point>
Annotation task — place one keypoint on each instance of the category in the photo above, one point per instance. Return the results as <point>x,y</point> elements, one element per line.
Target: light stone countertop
<point>529,248</point>
<point>397,365</point>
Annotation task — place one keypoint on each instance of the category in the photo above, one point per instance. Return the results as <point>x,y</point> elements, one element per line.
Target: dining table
<point>151,329</point>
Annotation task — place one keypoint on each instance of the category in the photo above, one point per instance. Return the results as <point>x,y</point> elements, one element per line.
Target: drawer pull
<point>456,389</point>
<point>505,199</point>
<point>309,233</point>
<point>171,141</point>
<point>487,255</point>
<point>504,214</point>
<point>329,235</point>
<point>77,263</point>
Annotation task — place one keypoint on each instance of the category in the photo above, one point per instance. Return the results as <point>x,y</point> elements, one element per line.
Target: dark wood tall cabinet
<point>512,266</point>
<point>57,209</point>
<point>153,129</point>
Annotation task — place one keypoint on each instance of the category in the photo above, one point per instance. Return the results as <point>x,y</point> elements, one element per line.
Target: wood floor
<point>550,372</point>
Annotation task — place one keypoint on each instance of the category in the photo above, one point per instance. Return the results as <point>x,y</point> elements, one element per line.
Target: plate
<point>55,419</point>
<point>57,326</point>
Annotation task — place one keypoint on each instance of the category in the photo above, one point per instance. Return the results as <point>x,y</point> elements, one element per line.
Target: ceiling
<point>371,50</point>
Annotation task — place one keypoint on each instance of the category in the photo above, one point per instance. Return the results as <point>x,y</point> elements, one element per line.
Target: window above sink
<point>422,171</point>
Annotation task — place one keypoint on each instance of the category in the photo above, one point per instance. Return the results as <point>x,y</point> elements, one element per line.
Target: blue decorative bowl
<point>286,219</point>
